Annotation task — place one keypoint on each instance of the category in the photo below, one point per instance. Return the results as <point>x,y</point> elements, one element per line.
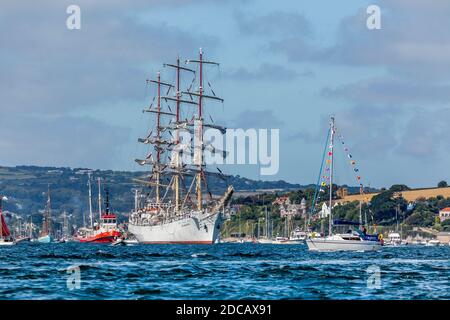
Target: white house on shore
<point>444,214</point>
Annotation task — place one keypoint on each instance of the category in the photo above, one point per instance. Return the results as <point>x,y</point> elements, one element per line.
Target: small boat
<point>433,243</point>
<point>125,241</point>
<point>22,239</point>
<point>281,240</point>
<point>393,239</point>
<point>298,236</point>
<point>5,235</point>
<point>45,235</point>
<point>45,239</point>
<point>265,241</point>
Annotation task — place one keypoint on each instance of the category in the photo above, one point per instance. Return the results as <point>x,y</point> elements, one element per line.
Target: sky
<point>75,97</point>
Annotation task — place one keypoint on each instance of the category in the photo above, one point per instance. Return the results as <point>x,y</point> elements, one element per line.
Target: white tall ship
<point>168,214</point>
<point>350,241</point>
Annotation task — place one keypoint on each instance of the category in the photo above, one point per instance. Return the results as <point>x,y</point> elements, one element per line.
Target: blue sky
<point>74,97</point>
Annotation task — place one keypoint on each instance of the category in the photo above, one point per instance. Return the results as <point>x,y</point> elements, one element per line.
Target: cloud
<point>371,131</point>
<point>412,41</point>
<point>258,119</point>
<point>390,91</point>
<point>273,24</point>
<point>426,135</point>
<point>60,141</point>
<point>48,68</point>
<point>267,71</point>
<point>51,74</point>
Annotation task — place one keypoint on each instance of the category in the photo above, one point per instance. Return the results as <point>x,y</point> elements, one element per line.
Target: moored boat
<point>433,243</point>
<point>352,240</point>
<point>45,236</point>
<point>106,229</point>
<point>5,235</point>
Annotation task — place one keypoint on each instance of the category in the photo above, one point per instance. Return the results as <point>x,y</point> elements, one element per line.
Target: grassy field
<point>410,195</point>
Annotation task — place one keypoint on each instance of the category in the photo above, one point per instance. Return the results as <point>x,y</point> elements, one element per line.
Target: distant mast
<point>99,199</point>
<point>90,200</point>
<point>46,223</point>
<point>330,219</point>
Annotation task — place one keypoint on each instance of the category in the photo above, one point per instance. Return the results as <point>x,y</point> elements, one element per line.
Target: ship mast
<point>330,221</point>
<point>200,135</point>
<point>177,134</point>
<point>158,137</point>
<point>199,126</point>
<point>157,141</point>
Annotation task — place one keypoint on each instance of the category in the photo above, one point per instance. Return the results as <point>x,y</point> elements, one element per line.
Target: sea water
<point>221,271</point>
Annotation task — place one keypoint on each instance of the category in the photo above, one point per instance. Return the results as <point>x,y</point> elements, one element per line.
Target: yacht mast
<point>360,213</point>
<point>90,200</point>
<point>48,218</point>
<point>330,221</point>
<point>99,200</point>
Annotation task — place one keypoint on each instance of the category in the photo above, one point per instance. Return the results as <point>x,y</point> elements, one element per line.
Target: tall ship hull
<point>196,229</point>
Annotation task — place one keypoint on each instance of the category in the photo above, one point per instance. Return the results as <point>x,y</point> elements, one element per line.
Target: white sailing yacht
<point>350,241</point>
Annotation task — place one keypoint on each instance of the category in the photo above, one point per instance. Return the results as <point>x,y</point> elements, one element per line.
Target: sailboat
<point>5,235</point>
<point>394,237</point>
<point>45,235</point>
<point>106,229</point>
<point>65,230</point>
<point>351,241</point>
<point>266,238</point>
<point>171,216</point>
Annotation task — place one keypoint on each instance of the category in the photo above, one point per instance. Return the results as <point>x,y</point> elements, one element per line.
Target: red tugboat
<point>106,229</point>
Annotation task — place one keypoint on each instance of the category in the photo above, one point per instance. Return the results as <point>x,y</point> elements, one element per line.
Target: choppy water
<point>224,271</point>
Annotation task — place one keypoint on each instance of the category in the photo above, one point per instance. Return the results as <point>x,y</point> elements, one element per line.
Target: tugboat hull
<point>103,237</point>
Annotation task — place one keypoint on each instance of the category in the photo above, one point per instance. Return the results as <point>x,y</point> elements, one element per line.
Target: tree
<point>442,184</point>
<point>399,187</point>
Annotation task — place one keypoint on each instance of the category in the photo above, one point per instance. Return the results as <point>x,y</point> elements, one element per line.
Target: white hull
<point>6,243</point>
<point>199,228</point>
<point>433,243</point>
<point>45,239</point>
<point>265,241</point>
<point>326,244</point>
